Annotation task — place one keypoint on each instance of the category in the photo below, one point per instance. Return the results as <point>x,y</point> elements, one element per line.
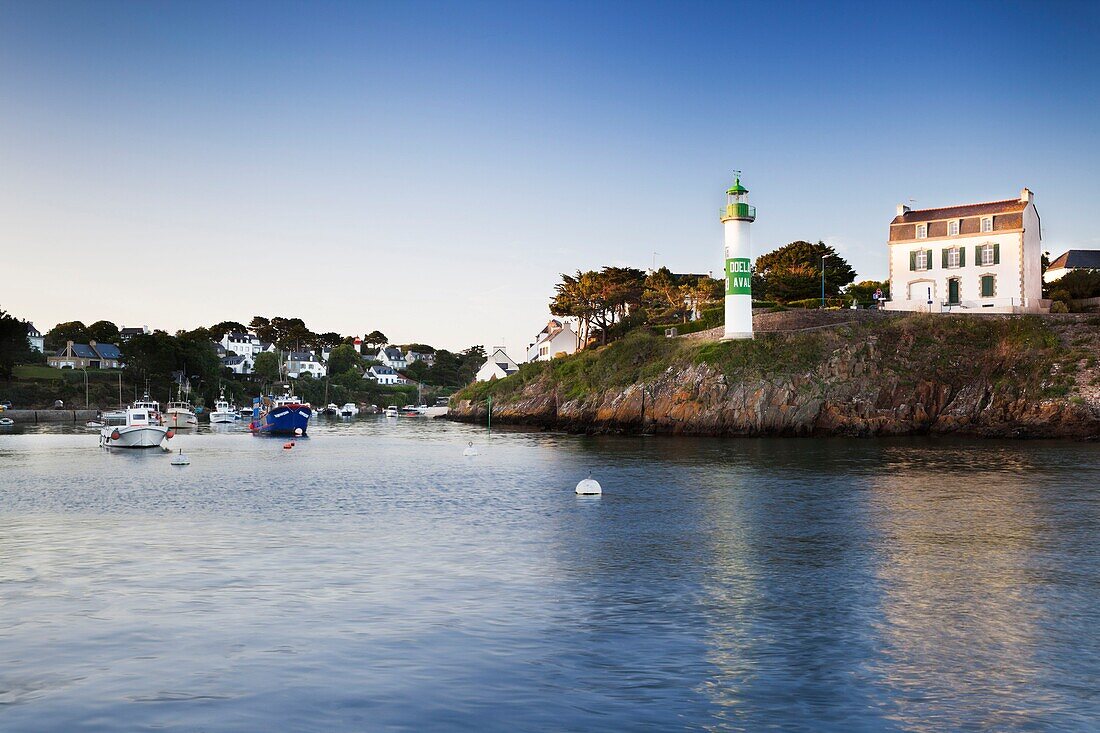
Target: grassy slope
<point>1015,354</point>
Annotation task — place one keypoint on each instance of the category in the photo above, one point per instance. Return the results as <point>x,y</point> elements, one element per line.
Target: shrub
<point>1059,306</point>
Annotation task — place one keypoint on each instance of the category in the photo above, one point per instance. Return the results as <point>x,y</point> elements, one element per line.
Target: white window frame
<point>953,228</point>
<point>922,231</point>
<point>987,255</point>
<point>921,260</point>
<point>953,257</point>
<point>987,224</point>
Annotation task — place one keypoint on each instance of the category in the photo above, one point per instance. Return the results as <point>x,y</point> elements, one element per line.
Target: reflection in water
<point>965,564</point>
<point>374,578</point>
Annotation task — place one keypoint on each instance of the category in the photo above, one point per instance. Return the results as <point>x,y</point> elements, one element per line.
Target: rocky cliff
<point>860,375</point>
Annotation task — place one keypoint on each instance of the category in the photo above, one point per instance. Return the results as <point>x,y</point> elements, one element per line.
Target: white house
<point>241,344</point>
<point>381,374</point>
<point>1074,259</point>
<point>498,365</point>
<point>304,362</point>
<point>971,258</point>
<point>556,339</point>
<point>35,339</point>
<point>392,357</point>
<point>238,364</point>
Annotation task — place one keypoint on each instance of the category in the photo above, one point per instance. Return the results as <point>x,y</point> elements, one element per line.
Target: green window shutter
<point>977,254</point>
<point>943,259</point>
<point>962,256</point>
<point>928,259</point>
<point>987,286</point>
<point>912,260</point>
<point>996,253</point>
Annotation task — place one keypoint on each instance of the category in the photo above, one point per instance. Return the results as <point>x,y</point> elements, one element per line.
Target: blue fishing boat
<point>286,415</point>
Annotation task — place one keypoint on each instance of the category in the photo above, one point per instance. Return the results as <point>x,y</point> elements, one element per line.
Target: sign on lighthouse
<point>737,217</point>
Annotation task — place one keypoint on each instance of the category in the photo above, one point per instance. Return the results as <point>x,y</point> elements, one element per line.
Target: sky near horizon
<point>429,169</point>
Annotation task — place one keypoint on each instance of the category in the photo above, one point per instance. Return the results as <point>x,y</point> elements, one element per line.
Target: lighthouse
<point>737,217</point>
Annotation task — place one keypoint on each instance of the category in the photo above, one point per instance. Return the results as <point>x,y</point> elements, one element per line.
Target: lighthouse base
<point>736,336</point>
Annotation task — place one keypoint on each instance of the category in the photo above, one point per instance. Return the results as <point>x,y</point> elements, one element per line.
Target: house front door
<point>952,292</point>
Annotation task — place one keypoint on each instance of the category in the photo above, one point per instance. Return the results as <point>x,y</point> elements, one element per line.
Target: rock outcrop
<point>875,379</point>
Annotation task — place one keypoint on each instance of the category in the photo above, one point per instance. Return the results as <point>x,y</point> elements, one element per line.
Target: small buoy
<point>470,450</point>
<point>170,434</point>
<point>298,432</point>
<point>288,446</point>
<point>589,487</point>
<point>181,460</point>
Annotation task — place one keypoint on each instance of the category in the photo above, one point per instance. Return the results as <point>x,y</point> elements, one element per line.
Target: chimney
<point>902,209</point>
<point>1027,196</point>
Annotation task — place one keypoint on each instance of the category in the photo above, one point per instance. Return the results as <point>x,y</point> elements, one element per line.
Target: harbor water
<point>373,577</point>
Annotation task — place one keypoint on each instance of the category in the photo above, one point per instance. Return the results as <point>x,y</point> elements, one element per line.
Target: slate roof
<point>239,337</point>
<point>507,368</point>
<point>31,330</point>
<point>380,369</point>
<point>1008,206</point>
<point>132,331</point>
<point>232,360</point>
<point>300,356</point>
<point>218,348</point>
<point>108,351</point>
<point>394,354</point>
<point>1087,259</point>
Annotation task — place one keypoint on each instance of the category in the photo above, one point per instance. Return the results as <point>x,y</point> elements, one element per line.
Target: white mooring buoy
<point>470,450</point>
<point>181,460</point>
<point>589,487</point>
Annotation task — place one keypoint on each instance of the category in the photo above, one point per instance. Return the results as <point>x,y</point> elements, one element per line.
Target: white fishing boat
<point>180,414</point>
<point>348,410</point>
<point>223,413</point>
<point>391,411</point>
<point>145,403</point>
<point>139,430</point>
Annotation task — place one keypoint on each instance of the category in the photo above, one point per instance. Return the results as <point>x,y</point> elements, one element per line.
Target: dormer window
<point>953,228</point>
<point>987,223</point>
<point>922,231</point>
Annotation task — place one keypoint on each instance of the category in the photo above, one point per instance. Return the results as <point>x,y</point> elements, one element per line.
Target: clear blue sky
<point>430,168</point>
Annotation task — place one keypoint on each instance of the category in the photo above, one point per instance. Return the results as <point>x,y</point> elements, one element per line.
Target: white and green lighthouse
<point>737,217</point>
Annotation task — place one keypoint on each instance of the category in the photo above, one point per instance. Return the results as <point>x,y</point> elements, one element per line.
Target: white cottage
<point>498,365</point>
<point>556,339</point>
<point>382,374</point>
<point>304,362</point>
<point>392,357</point>
<point>972,258</point>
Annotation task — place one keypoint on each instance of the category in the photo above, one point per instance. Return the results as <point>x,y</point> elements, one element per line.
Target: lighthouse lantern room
<point>737,218</point>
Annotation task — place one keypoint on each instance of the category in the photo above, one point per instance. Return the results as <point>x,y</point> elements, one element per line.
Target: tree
<point>330,339</point>
<point>266,366</point>
<point>343,358</point>
<point>262,328</point>
<point>793,272</point>
<point>103,332</point>
<point>220,329</point>
<point>1079,284</point>
<point>376,339</point>
<point>419,348</point>
<point>62,333</point>
<point>864,290</point>
<point>14,347</point>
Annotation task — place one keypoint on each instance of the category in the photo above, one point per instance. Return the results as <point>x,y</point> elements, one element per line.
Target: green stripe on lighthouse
<point>738,276</point>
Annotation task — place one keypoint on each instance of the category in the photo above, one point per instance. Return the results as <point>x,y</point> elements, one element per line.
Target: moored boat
<point>180,414</point>
<point>223,413</point>
<point>286,415</point>
<point>139,430</point>
<point>390,411</point>
<point>348,410</point>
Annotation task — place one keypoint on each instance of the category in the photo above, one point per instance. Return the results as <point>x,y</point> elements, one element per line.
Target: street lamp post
<point>85,387</point>
<point>823,281</point>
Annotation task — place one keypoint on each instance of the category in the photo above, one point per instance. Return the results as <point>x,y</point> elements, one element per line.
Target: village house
<point>298,363</point>
<point>86,356</point>
<point>35,339</point>
<point>381,374</point>
<point>557,338</point>
<point>1074,259</point>
<point>498,366</point>
<point>125,334</point>
<point>427,358</point>
<point>238,364</point>
<point>241,344</point>
<point>392,357</point>
<point>970,258</point>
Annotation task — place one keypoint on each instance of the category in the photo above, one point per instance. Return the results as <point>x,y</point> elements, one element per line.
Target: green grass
<point>1016,354</point>
<point>34,371</point>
